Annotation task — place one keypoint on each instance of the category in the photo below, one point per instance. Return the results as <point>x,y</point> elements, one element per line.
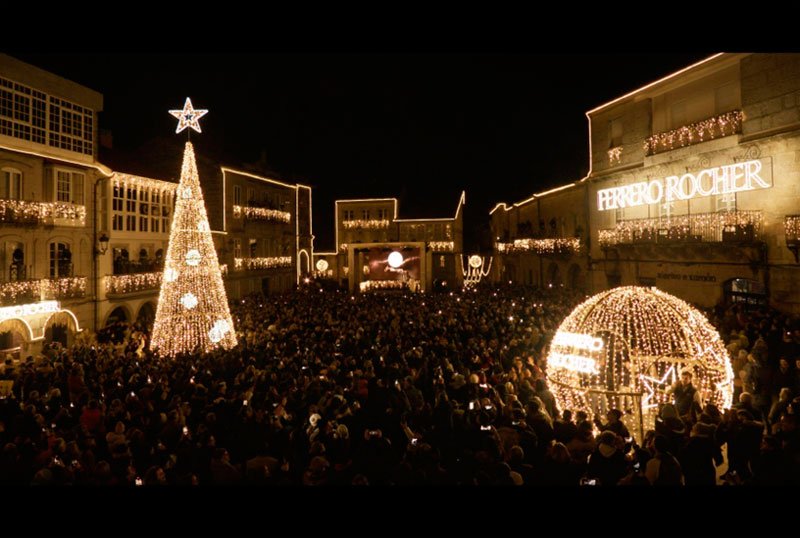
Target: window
<point>381,214</point>
<point>119,195</point>
<point>117,222</point>
<point>349,214</point>
<point>11,184</point>
<point>143,224</point>
<point>237,195</point>
<point>253,248</point>
<point>24,115</point>
<point>130,223</point>
<point>365,214</point>
<point>69,186</point>
<point>441,262</point>
<point>63,187</point>
<point>60,260</point>
<point>130,205</point>
<point>237,248</point>
<point>615,133</point>
<point>251,194</point>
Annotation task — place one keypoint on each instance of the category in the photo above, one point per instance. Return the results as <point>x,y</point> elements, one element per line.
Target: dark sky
<point>419,126</point>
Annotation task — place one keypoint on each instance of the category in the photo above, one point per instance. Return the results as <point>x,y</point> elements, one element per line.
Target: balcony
<point>257,264</point>
<point>564,245</point>
<point>131,283</point>
<point>24,213</point>
<point>728,226</point>
<point>791,229</point>
<point>261,213</point>
<point>715,127</point>
<point>28,291</point>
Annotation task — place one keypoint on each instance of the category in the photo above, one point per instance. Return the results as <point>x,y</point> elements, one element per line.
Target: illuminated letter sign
<point>728,179</point>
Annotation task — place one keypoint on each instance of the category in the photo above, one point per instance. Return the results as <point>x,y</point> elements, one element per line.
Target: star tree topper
<point>188,117</point>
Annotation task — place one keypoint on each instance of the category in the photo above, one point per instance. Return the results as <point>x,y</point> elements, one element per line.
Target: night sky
<point>420,127</point>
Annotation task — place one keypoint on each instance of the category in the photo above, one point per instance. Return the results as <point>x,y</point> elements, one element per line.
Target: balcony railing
<point>700,227</point>
<point>694,133</point>
<point>127,267</point>
<point>24,213</point>
<point>255,264</point>
<point>27,291</point>
<point>564,245</point>
<point>120,284</point>
<point>261,213</point>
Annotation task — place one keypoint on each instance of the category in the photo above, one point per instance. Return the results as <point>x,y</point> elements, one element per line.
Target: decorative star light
<point>218,331</point>
<point>170,275</point>
<point>649,383</point>
<point>188,117</point>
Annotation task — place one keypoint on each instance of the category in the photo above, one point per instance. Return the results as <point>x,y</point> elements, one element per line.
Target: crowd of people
<point>326,387</point>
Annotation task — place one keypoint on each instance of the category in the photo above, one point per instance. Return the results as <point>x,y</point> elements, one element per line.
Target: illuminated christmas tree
<point>192,312</point>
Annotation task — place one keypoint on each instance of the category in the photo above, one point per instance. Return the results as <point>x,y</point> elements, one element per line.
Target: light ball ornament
<point>625,348</point>
<point>395,260</point>
<point>322,265</point>
<point>193,257</point>
<point>475,261</point>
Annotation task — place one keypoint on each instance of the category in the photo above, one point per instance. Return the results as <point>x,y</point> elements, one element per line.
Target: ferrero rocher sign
<point>731,178</point>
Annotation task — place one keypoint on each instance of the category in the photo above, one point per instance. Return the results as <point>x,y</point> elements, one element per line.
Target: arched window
<point>11,184</point>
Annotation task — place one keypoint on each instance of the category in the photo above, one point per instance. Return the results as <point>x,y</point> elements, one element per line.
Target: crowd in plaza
<point>326,387</point>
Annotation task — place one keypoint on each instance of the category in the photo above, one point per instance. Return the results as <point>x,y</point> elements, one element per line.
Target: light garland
<point>615,155</point>
<point>709,227</point>
<point>474,271</point>
<point>624,347</point>
<point>261,213</point>
<point>22,212</point>
<point>442,246</point>
<point>123,181</point>
<point>542,246</point>
<point>370,224</point>
<point>694,133</point>
<point>253,264</point>
<point>193,268</point>
<point>791,228</point>
<point>45,288</point>
<point>120,284</point>
<point>371,285</point>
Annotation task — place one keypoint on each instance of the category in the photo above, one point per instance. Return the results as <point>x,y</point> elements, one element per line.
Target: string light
<point>442,246</point>
<point>251,264</point>
<point>542,246</point>
<point>134,282</point>
<point>694,133</point>
<point>714,227</point>
<point>192,260</point>
<point>475,271</point>
<point>23,212</point>
<point>615,155</point>
<point>791,228</point>
<point>370,285</point>
<point>261,213</point>
<point>45,288</point>
<point>370,224</point>
<point>623,349</point>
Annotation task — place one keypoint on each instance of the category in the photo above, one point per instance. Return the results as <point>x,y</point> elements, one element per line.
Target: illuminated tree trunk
<point>192,314</point>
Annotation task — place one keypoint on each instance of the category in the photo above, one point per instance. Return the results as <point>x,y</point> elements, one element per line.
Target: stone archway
<point>146,315</point>
<point>15,334</point>
<point>60,327</point>
<point>576,278</point>
<point>119,315</point>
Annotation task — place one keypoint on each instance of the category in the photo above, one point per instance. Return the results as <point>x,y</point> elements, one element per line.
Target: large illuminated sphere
<point>395,259</point>
<point>625,348</point>
<point>475,261</point>
<point>322,265</point>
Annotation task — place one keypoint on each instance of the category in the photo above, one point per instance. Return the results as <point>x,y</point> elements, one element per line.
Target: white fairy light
<point>188,117</point>
<point>189,300</point>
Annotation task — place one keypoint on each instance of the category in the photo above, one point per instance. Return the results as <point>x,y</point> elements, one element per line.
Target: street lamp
<point>102,244</point>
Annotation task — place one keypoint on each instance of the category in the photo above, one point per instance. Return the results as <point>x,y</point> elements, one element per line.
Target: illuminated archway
<point>625,348</point>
